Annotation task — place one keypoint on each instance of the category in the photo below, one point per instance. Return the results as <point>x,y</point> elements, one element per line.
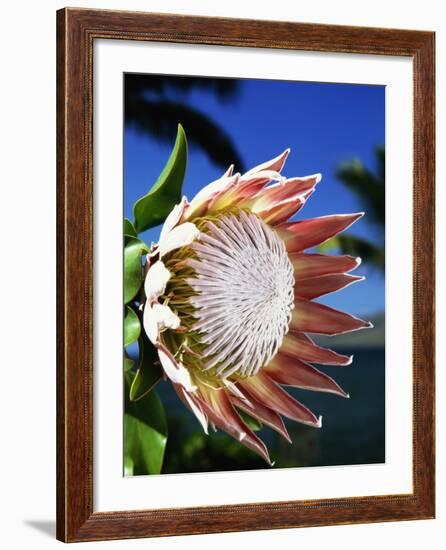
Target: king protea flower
<point>229,290</point>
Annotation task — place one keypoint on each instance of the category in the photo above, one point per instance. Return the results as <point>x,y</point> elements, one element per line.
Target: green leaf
<point>129,229</point>
<point>134,244</point>
<point>128,363</point>
<point>153,208</point>
<point>148,373</point>
<point>128,466</point>
<point>132,274</point>
<point>132,326</point>
<point>250,421</point>
<point>133,252</point>
<point>145,434</point>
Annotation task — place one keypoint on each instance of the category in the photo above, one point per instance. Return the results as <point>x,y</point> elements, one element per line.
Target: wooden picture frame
<point>76,31</point>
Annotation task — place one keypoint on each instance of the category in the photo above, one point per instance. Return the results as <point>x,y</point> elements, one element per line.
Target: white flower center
<point>245,293</point>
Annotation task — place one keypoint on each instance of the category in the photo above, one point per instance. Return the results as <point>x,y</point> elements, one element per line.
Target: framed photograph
<point>245,275</point>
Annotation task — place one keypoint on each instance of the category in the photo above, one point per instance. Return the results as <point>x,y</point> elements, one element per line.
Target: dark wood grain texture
<point>76,31</point>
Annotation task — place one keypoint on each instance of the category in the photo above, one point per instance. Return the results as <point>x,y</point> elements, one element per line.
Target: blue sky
<point>322,123</point>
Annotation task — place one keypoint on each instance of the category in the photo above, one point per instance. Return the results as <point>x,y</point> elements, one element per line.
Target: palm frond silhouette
<point>153,105</point>
<point>369,187</point>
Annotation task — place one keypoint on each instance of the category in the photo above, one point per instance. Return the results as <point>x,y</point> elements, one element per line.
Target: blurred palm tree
<point>153,104</point>
<point>370,188</point>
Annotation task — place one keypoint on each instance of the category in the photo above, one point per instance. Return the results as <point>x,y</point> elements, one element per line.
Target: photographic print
<point>254,274</point>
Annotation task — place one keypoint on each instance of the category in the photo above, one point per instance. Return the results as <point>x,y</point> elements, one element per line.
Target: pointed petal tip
<point>349,360</point>
<point>286,153</point>
<point>229,171</point>
<point>316,318</point>
<point>343,393</point>
<point>353,217</point>
<point>365,324</point>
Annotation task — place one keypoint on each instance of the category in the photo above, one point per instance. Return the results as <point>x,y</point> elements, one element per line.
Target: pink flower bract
<point>229,306</point>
